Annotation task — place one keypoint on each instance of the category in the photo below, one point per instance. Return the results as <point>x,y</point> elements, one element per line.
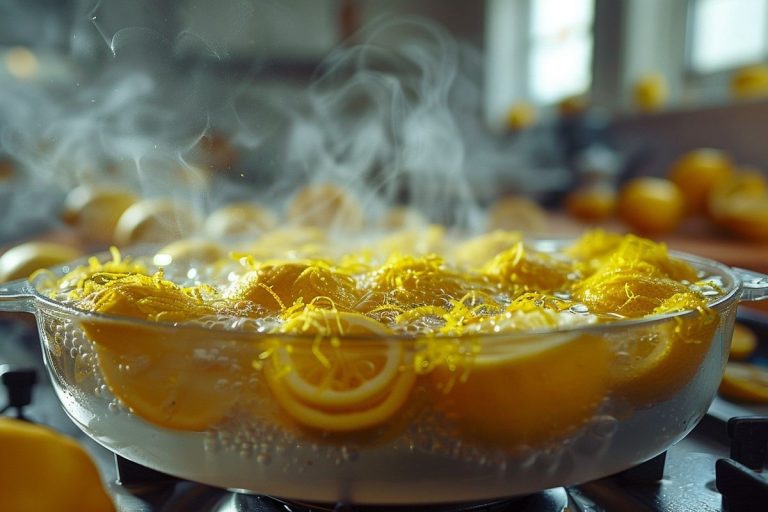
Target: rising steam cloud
<point>396,118</point>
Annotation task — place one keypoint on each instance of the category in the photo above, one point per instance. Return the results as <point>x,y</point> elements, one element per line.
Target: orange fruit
<point>698,173</point>
<point>343,380</point>
<point>743,342</point>
<point>745,382</point>
<point>651,205</point>
<point>591,203</point>
<point>526,392</point>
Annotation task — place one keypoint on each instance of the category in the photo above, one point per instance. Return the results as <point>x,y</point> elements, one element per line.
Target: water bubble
<point>264,458</point>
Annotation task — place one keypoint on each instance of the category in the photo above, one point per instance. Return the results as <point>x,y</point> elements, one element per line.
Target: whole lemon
<point>697,173</point>
<point>651,206</point>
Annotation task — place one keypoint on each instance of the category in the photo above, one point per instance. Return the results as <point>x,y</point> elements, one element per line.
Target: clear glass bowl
<point>438,419</point>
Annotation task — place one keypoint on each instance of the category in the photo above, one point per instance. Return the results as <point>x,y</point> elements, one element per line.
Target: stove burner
<point>551,500</point>
<point>153,487</point>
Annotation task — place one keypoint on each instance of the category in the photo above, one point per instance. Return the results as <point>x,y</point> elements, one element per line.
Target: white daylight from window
<point>727,34</point>
<point>560,49</point>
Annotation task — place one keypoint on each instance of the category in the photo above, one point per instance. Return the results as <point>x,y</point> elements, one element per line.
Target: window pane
<point>558,18</point>
<point>561,69</point>
<point>728,33</point>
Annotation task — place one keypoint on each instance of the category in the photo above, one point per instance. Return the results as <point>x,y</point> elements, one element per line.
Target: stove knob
<point>18,385</point>
<point>749,440</point>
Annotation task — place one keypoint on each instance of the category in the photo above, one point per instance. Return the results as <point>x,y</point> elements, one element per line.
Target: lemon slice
<point>342,376</point>
<point>175,380</point>
<point>745,382</point>
<point>659,360</point>
<point>339,383</point>
<point>373,414</point>
<point>526,395</point>
<point>743,342</point>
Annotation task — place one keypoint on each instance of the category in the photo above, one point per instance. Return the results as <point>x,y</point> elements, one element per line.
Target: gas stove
<point>718,466</point>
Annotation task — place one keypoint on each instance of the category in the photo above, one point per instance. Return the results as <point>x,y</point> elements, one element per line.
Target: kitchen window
<point>726,34</point>
<point>537,51</point>
<point>560,49</point>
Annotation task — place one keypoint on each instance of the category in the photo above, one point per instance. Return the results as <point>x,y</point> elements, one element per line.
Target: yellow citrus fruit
<point>22,260</point>
<point>341,381</point>
<point>477,251</point>
<point>33,454</point>
<point>745,382</point>
<point>403,217</point>
<point>630,294</point>
<point>650,92</point>
<point>592,203</point>
<point>326,206</point>
<point>750,82</point>
<point>740,205</point>
<point>517,213</point>
<point>95,210</point>
<point>659,360</point>
<point>572,105</point>
<point>155,221</point>
<point>217,152</point>
<point>530,270</point>
<point>7,170</point>
<point>520,115</point>
<point>651,205</point>
<point>743,342</point>
<point>268,287</point>
<point>412,281</point>
<point>240,219</point>
<point>188,251</point>
<point>325,288</point>
<point>183,380</point>
<point>176,378</point>
<point>698,173</point>
<point>526,393</point>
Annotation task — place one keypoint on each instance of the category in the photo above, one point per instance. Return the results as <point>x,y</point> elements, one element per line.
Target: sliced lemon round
<point>527,393</point>
<point>181,381</point>
<point>659,360</point>
<point>745,382</point>
<point>743,342</point>
<point>339,383</point>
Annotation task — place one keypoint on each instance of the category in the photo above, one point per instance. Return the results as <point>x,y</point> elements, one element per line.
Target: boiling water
<point>427,463</point>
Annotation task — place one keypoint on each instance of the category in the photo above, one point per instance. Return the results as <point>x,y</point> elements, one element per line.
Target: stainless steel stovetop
<point>698,474</point>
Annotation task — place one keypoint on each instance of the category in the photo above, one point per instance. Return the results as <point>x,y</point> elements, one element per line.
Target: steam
<point>396,119</point>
